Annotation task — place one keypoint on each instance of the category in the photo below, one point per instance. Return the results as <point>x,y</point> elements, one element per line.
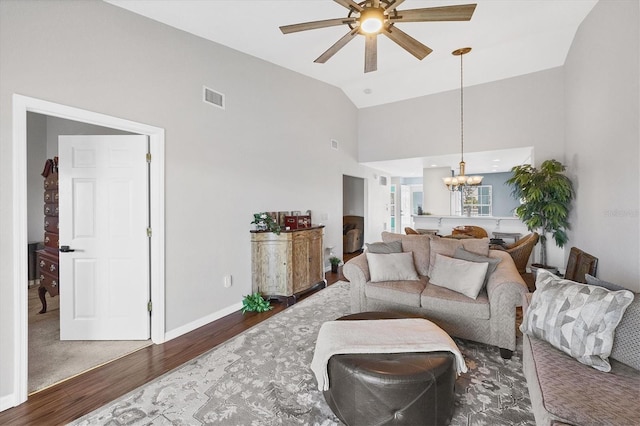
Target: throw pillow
<point>385,248</point>
<point>463,254</point>
<point>578,319</point>
<point>591,280</point>
<point>459,275</point>
<point>417,244</point>
<point>391,267</point>
<point>627,337</point>
<point>448,246</point>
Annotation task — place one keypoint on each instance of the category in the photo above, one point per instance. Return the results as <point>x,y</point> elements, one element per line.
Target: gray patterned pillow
<point>578,319</point>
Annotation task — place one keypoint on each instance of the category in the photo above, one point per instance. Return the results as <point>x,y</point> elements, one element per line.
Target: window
<point>477,200</point>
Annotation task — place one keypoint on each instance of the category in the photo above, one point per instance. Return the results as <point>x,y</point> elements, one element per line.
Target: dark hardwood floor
<point>75,397</point>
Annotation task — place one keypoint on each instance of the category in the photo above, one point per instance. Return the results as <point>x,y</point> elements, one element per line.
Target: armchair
<point>520,251</point>
<point>352,234</point>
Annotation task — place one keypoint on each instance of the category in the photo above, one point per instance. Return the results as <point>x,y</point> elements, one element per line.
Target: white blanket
<point>379,336</point>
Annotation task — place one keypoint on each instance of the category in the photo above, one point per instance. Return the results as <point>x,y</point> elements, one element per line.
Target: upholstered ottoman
<point>391,389</point>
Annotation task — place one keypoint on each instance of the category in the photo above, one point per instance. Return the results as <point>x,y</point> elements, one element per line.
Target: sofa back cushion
<point>626,342</point>
<point>448,246</point>
<point>418,244</point>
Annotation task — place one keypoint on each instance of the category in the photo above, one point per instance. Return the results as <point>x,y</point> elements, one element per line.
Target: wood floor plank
<point>75,397</point>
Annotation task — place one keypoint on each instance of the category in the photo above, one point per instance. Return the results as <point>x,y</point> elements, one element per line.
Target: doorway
<point>21,106</point>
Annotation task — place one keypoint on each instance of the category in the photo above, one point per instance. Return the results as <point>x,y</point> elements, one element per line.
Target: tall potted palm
<point>545,196</point>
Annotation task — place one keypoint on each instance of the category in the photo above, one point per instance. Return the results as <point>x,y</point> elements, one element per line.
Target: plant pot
<point>334,269</point>
<point>536,266</point>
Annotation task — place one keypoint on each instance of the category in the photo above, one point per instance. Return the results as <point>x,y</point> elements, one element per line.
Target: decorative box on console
<point>297,222</point>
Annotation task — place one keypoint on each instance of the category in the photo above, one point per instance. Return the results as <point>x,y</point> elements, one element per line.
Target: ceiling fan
<point>372,17</point>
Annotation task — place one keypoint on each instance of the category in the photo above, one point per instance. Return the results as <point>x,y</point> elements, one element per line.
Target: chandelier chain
<point>461,112</point>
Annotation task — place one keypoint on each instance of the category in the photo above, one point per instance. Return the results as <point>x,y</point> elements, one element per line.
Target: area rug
<point>262,377</point>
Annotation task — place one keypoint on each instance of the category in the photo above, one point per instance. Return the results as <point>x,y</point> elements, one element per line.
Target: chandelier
<point>460,182</point>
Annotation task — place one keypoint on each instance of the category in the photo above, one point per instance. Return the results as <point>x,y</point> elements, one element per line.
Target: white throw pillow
<point>459,275</point>
<point>391,267</point>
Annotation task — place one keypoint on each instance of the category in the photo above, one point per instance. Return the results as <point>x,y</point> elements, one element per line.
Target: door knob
<point>65,249</point>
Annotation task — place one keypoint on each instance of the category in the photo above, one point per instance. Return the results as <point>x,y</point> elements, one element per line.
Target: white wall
<point>437,198</point>
<point>603,138</point>
<point>37,146</point>
<point>269,150</point>
<point>517,112</point>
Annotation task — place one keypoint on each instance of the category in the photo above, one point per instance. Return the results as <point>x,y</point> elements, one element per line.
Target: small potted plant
<point>255,303</point>
<point>264,222</point>
<point>545,196</point>
<point>335,262</point>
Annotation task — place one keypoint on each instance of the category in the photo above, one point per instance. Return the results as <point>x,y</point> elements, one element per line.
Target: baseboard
<point>177,332</point>
<point>8,401</point>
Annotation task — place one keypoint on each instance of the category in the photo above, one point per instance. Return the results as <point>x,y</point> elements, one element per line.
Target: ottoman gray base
<point>391,389</point>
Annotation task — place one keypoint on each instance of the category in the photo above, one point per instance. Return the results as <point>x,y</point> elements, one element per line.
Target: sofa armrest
<point>506,290</point>
<point>356,271</point>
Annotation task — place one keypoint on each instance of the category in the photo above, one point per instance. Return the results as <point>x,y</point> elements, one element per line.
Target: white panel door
<point>104,277</point>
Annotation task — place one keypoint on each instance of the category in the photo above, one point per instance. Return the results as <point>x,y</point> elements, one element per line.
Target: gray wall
<point>270,150</point>
<point>603,138</point>
<point>503,203</point>
<point>353,196</point>
<point>513,113</point>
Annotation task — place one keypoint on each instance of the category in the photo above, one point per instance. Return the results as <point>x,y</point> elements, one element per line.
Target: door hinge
<point>149,232</point>
<point>149,306</point>
<point>148,157</point>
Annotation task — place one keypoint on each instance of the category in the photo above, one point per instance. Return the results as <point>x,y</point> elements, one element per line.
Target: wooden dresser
<point>47,258</point>
<point>285,265</point>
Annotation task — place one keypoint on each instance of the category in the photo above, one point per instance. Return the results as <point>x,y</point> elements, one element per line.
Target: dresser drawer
<point>50,283</point>
<point>51,196</point>
<point>46,265</point>
<point>51,181</point>
<point>51,239</point>
<point>51,224</point>
<point>51,209</point>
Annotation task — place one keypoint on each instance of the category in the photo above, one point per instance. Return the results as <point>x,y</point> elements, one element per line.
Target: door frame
<point>21,106</point>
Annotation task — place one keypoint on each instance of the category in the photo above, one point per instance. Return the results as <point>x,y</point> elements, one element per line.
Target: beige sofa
<point>490,318</point>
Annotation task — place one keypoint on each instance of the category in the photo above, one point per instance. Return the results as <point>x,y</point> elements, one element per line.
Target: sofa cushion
<point>463,254</point>
<point>626,342</point>
<point>578,319</point>
<point>385,248</point>
<point>448,246</point>
<point>580,395</point>
<point>459,275</point>
<point>391,267</point>
<point>441,299</point>
<point>417,244</point>
<point>401,292</point>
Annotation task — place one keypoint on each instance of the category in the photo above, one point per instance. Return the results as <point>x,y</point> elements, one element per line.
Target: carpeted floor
<point>52,360</point>
<point>262,377</point>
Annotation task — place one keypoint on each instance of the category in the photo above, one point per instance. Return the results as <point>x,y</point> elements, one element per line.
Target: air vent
<point>383,180</point>
<point>212,97</point>
<point>334,144</point>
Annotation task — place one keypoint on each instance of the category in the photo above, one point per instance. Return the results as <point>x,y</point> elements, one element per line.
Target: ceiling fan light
<point>371,20</point>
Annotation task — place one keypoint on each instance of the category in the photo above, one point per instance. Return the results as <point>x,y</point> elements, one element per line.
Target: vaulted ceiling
<point>509,38</point>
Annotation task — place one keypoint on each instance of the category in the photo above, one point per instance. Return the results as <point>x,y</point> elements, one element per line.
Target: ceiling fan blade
<point>349,4</point>
<point>286,29</point>
<point>462,12</point>
<point>407,42</point>
<point>370,53</point>
<point>394,4</point>
<point>337,46</point>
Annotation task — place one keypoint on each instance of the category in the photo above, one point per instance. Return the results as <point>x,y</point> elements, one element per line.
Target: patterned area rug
<point>262,377</point>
